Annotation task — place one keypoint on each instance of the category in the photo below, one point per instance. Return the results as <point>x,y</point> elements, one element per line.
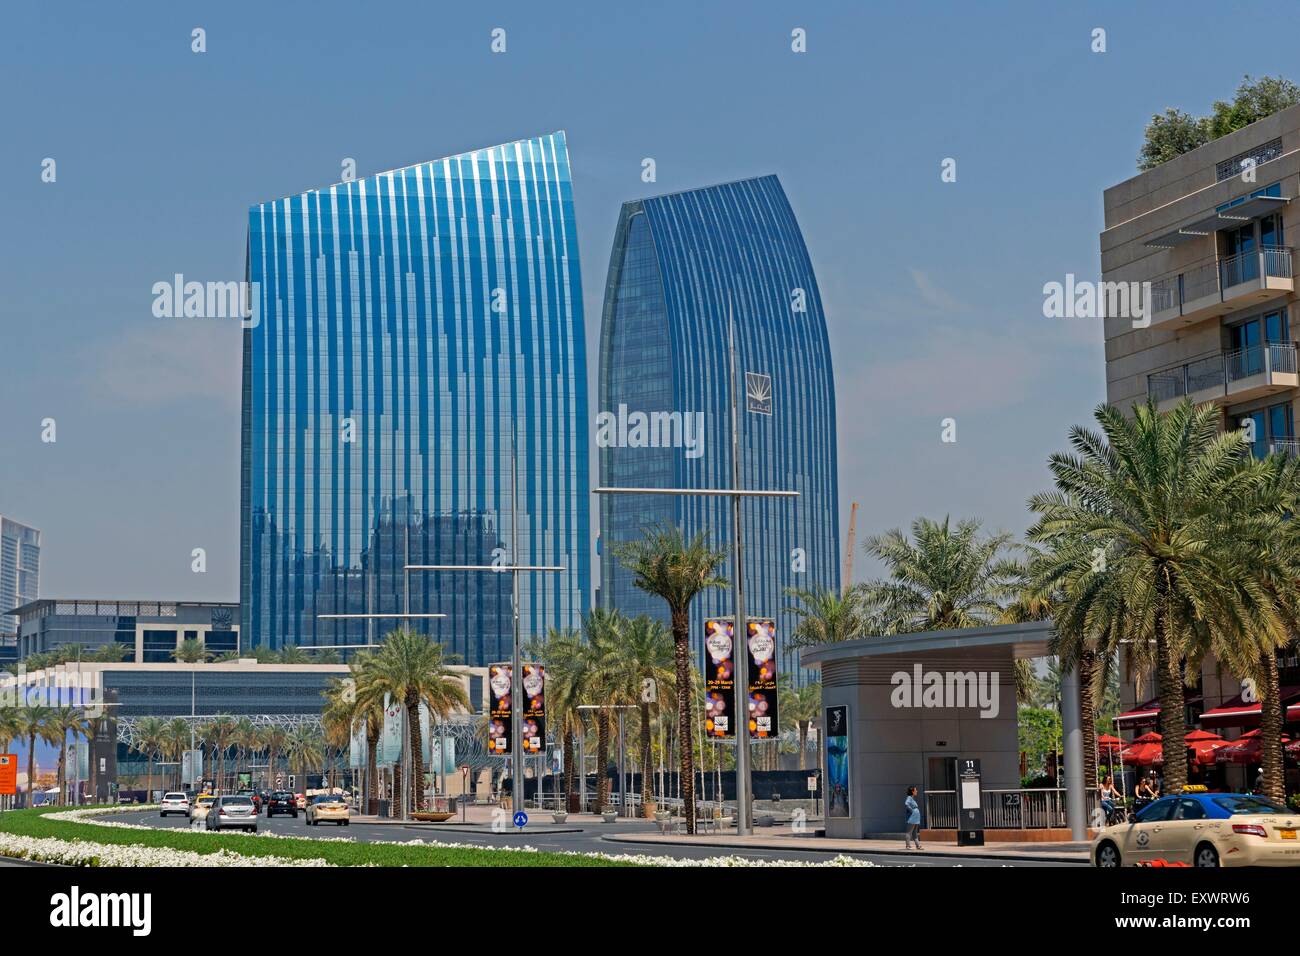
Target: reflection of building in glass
<point>20,577</point>
<point>680,263</point>
<point>408,325</point>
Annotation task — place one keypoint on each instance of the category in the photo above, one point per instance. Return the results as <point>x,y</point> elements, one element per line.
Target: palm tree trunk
<point>647,788</point>
<point>1088,718</point>
<point>63,768</point>
<point>372,768</point>
<point>682,664</point>
<point>417,760</point>
<point>1270,729</point>
<point>803,741</point>
<point>1173,726</point>
<point>602,760</point>
<point>569,757</point>
<point>31,769</point>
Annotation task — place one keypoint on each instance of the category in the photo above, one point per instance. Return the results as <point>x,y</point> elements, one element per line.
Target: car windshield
<point>1249,803</point>
<point>327,799</point>
<point>173,796</point>
<point>236,802</point>
<point>282,795</point>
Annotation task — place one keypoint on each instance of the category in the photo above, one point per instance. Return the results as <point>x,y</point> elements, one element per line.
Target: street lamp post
<point>740,636</point>
<point>516,678</point>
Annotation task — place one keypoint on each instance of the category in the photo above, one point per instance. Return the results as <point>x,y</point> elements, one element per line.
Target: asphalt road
<point>577,838</point>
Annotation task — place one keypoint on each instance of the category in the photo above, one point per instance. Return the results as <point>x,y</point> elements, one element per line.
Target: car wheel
<point>1108,855</point>
<point>1207,856</point>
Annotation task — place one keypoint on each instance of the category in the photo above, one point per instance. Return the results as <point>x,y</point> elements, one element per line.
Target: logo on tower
<point>758,393</point>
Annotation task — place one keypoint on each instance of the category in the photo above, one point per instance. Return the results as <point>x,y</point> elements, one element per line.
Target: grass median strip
<point>36,823</point>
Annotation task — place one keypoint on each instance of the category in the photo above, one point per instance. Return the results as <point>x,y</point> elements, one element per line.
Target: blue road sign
<point>521,819</point>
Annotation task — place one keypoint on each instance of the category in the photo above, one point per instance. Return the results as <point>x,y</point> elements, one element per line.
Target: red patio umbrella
<point>1109,743</point>
<point>1142,752</point>
<point>1246,749</point>
<point>1203,746</point>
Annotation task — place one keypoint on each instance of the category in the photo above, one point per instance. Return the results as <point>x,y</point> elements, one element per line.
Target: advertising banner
<point>390,741</point>
<point>9,774</point>
<point>500,677</point>
<point>719,679</point>
<point>837,761</point>
<point>534,715</point>
<point>763,718</point>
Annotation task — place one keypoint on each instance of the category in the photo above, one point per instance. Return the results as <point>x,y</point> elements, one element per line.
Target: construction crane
<point>848,551</point>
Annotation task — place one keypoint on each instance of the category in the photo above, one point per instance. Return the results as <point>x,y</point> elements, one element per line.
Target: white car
<point>174,802</point>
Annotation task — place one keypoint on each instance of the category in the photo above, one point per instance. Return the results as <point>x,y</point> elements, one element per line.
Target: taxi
<point>327,808</point>
<point>1203,829</point>
<point>199,808</point>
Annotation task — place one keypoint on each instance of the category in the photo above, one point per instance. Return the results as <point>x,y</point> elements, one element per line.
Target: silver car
<point>232,813</point>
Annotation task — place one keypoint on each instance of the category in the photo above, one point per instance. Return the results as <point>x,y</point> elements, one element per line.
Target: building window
<point>1260,154</point>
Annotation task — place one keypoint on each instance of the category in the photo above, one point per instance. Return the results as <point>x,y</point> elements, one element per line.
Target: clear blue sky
<point>932,290</point>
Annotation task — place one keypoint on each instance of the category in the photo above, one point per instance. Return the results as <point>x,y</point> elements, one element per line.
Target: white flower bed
<point>89,853</point>
<point>93,816</point>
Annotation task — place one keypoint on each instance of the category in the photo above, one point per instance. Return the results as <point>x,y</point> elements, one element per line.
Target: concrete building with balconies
<point>1210,232</point>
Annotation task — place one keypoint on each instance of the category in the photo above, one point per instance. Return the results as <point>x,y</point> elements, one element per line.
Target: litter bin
<point>383,808</point>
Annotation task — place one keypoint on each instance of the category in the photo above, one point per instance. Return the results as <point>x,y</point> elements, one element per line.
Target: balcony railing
<point>1206,282</point>
<point>1271,261</point>
<point>1284,446</point>
<point>1221,370</point>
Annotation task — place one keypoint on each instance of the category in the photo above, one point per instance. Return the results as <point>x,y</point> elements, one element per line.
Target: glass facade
<point>414,327</point>
<point>680,265</point>
<point>20,573</point>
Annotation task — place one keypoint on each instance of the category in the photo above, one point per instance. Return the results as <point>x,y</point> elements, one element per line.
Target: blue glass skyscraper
<point>681,264</point>
<point>411,329</point>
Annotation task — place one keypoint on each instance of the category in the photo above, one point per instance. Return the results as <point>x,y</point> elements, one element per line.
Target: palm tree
<point>565,657</point>
<point>245,738</point>
<point>410,668</point>
<point>801,707</point>
<point>175,740</point>
<point>647,658</point>
<point>221,736</point>
<point>826,616</point>
<point>148,741</point>
<point>666,564</point>
<point>1140,528</point>
<point>274,741</point>
<point>64,721</point>
<point>604,684</point>
<point>305,748</point>
<point>946,578</point>
<point>190,651</point>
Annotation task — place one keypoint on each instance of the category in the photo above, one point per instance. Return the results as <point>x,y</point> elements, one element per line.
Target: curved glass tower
<point>680,265</point>
<point>413,329</point>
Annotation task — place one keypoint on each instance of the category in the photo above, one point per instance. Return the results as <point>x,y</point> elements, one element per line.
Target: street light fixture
<point>740,645</point>
<point>516,678</point>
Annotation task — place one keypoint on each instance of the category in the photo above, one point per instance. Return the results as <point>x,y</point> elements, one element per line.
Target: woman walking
<point>913,834</point>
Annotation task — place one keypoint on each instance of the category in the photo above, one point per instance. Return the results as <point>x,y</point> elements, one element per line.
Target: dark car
<point>254,796</point>
<point>281,801</point>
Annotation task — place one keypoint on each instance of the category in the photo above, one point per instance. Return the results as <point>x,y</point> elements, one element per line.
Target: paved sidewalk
<point>784,839</point>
